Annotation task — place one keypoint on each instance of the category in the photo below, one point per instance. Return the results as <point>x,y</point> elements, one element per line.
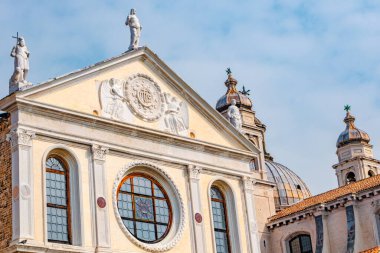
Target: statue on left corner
<point>21,63</point>
<point>135,28</point>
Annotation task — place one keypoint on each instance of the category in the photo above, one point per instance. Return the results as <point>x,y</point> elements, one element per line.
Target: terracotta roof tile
<point>329,196</point>
<point>373,250</point>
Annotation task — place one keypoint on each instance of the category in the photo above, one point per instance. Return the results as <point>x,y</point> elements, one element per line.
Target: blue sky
<point>302,60</point>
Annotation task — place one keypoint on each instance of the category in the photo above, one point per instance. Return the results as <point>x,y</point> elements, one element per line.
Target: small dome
<point>351,133</point>
<point>242,100</point>
<point>290,188</point>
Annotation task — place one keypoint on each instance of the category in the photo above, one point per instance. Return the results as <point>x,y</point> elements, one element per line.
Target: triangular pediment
<point>138,88</point>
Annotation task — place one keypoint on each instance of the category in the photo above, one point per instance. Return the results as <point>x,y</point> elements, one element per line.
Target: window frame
<point>223,201</point>
<point>349,178</point>
<point>298,237</point>
<point>66,173</point>
<point>134,219</point>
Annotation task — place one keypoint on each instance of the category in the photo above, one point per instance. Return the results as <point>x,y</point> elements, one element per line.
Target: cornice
<point>129,129</point>
<point>356,158</point>
<point>328,207</point>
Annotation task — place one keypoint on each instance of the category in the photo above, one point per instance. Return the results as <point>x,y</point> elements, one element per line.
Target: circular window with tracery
<point>144,207</point>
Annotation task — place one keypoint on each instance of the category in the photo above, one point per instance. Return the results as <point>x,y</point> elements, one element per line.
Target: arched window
<point>144,207</point>
<point>350,178</point>
<point>58,200</point>
<point>219,214</point>
<point>300,244</point>
<point>371,173</point>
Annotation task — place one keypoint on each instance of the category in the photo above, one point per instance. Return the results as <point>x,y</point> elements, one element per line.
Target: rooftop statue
<point>21,65</point>
<point>135,28</point>
<point>234,116</point>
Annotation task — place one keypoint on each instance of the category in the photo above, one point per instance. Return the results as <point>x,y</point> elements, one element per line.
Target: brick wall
<point>5,186</point>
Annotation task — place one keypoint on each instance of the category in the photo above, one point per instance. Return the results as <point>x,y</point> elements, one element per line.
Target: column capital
<point>194,171</point>
<point>20,136</point>
<point>248,183</point>
<point>99,152</point>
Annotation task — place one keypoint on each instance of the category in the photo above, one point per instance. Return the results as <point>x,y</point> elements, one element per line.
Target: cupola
<point>241,97</point>
<point>355,154</point>
<point>351,134</point>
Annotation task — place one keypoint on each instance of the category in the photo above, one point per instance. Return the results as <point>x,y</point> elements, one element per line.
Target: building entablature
<point>360,158</point>
<point>109,133</point>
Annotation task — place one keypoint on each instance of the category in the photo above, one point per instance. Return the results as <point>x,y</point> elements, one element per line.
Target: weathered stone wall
<point>5,186</point>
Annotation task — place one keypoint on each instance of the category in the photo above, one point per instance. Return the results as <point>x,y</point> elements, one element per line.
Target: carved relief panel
<point>142,97</point>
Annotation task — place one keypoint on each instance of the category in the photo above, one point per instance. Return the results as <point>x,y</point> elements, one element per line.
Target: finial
<point>347,108</point>
<point>244,91</point>
<point>228,71</point>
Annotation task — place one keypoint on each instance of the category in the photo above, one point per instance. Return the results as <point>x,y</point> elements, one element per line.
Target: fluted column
<point>22,184</point>
<point>196,207</point>
<point>103,239</point>
<point>254,241</point>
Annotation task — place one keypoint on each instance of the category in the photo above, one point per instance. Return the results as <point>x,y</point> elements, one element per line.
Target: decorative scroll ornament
<point>178,222</point>
<point>99,152</point>
<point>144,97</point>
<point>20,137</point>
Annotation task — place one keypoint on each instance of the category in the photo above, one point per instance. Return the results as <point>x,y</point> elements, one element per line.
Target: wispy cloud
<point>303,60</point>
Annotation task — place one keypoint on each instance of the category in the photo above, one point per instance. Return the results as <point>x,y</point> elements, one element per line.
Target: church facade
<point>123,156</point>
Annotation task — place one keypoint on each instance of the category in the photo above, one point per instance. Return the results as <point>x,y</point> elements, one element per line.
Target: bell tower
<point>251,126</point>
<point>355,155</point>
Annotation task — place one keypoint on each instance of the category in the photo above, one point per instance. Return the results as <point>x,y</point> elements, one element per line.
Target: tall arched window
<point>58,200</point>
<point>219,214</point>
<point>300,244</point>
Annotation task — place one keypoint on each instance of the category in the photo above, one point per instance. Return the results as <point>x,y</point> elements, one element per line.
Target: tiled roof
<point>329,196</point>
<point>373,250</point>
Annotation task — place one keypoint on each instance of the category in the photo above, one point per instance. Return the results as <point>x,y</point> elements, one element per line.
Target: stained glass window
<point>219,215</point>
<point>57,196</point>
<point>301,244</point>
<point>144,207</point>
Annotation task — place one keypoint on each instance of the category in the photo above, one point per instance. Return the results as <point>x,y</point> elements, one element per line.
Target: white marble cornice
<point>90,121</point>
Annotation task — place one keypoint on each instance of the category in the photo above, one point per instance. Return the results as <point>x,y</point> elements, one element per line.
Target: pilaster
<point>196,205</point>
<point>359,240</point>
<point>103,239</point>
<point>254,241</point>
<point>326,238</point>
<point>22,184</point>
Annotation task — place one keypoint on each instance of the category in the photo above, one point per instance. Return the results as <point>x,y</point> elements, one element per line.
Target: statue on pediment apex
<point>135,28</point>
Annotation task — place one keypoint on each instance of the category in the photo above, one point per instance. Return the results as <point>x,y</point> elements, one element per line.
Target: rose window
<point>144,207</point>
